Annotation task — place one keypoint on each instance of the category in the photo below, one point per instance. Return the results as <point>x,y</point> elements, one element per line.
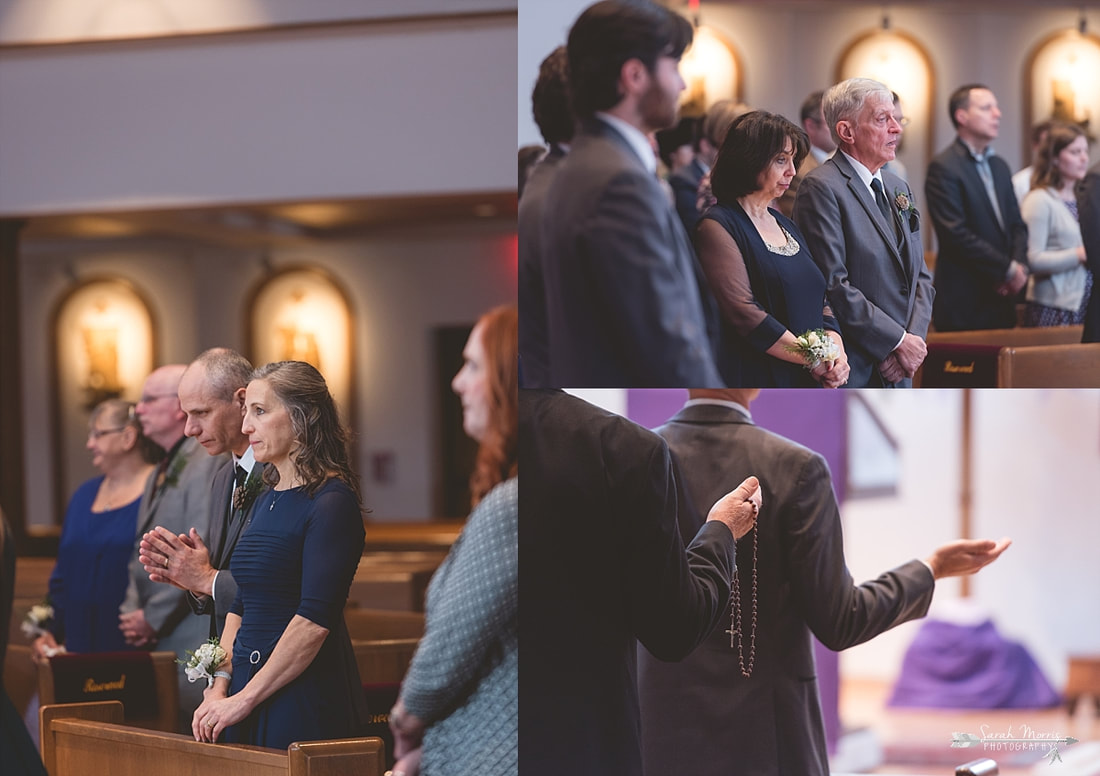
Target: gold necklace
<point>735,632</point>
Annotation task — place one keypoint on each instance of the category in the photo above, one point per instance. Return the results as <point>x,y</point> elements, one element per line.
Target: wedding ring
<point>166,563</point>
<point>210,724</point>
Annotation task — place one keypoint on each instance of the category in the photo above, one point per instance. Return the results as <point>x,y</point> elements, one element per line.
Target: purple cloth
<point>970,667</point>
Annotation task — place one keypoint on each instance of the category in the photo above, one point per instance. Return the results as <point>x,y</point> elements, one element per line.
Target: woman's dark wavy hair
<point>610,33</point>
<point>496,455</point>
<point>323,442</point>
<point>753,141</point>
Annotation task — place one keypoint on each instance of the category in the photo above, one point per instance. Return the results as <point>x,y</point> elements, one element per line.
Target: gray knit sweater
<point>463,681</point>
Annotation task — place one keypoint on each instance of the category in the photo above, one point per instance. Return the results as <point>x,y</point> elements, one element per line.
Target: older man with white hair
<point>863,230</point>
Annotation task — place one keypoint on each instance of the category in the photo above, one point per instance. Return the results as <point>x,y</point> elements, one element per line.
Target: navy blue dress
<point>791,292</point>
<point>299,556</point>
<point>90,576</point>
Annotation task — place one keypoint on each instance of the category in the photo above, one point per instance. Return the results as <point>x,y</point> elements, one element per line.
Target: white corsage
<point>36,623</point>
<point>815,347</point>
<point>203,661</point>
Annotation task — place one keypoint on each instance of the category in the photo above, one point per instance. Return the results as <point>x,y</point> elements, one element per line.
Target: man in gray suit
<point>862,229</point>
<point>622,301</point>
<point>703,716</point>
<point>212,394</point>
<point>176,496</point>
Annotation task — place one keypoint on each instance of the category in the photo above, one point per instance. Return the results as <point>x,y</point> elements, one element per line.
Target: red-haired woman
<point>459,702</point>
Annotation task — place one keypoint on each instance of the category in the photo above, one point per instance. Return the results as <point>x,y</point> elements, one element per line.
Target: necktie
<point>884,206</point>
<point>240,475</point>
<point>986,174</point>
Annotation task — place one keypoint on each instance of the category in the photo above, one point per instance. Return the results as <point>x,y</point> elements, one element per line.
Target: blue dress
<point>90,577</point>
<point>791,292</point>
<point>299,556</point>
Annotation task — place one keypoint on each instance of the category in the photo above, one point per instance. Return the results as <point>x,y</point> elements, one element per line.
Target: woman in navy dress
<point>768,288</point>
<point>292,675</point>
<point>90,576</point>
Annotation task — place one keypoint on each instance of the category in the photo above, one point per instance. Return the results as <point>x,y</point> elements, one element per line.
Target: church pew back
<point>1051,366</point>
<point>381,624</point>
<point>383,661</point>
<point>87,738</point>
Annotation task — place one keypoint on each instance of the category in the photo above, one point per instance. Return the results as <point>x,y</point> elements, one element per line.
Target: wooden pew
<point>387,584</point>
<point>383,661</point>
<point>431,536</point>
<point>1022,335</point>
<point>1050,366</point>
<point>379,624</point>
<point>88,738</point>
<point>970,359</point>
<point>114,666</point>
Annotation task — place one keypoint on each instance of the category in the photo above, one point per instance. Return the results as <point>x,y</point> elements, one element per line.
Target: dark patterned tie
<point>884,206</point>
<point>241,476</point>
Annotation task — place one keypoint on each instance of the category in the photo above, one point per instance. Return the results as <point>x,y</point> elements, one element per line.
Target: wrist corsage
<point>203,661</point>
<point>814,347</point>
<point>37,621</point>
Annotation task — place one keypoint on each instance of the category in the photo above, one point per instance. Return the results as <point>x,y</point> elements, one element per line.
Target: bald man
<point>177,496</point>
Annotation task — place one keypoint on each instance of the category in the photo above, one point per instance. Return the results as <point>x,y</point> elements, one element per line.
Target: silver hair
<point>844,101</point>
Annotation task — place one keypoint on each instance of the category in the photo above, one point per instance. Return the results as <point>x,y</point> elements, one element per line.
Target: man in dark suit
<point>554,116</point>
<point>602,564</point>
<point>212,394</point>
<point>622,302</point>
<point>1089,204</point>
<point>703,716</point>
<point>176,496</point>
<point>864,233</point>
<point>982,264</point>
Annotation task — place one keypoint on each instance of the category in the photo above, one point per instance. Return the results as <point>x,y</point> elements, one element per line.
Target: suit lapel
<point>867,201</point>
<point>238,518</point>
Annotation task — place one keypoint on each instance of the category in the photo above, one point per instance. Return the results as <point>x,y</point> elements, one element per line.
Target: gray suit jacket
<point>183,503</point>
<point>622,300</point>
<point>701,716</point>
<point>878,290</point>
<point>226,526</point>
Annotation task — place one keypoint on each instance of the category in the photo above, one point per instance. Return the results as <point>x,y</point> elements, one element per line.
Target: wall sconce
<point>711,70</point>
<point>302,314</point>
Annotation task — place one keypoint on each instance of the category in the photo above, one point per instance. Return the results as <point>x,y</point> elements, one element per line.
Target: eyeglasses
<point>96,433</point>
<point>150,398</point>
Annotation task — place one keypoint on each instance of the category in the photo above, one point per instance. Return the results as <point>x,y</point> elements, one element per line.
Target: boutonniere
<point>172,477</point>
<point>246,493</point>
<point>906,209</point>
<point>203,661</point>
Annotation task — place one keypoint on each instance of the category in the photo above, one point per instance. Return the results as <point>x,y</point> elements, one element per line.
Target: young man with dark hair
<point>622,297</point>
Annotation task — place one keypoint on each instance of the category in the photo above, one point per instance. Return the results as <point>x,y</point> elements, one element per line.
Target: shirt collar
<point>864,174</point>
<point>246,461</point>
<point>637,140</point>
<point>978,157</point>
<point>720,403</point>
<point>819,154</point>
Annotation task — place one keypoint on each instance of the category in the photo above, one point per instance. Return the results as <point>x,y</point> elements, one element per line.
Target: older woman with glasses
<point>97,538</point>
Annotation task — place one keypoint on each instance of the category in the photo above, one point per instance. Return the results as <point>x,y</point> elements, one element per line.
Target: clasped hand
<point>183,560</point>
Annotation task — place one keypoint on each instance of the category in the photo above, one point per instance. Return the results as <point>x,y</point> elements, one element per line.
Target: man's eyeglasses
<point>96,433</point>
